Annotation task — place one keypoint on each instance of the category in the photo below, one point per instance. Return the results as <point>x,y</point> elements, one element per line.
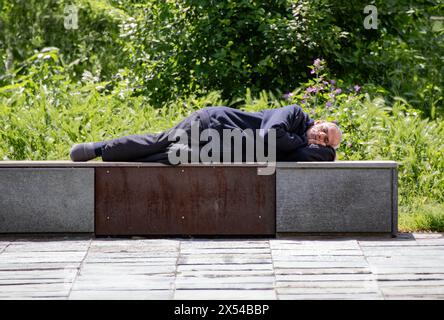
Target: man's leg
<point>136,147</point>
<point>130,148</point>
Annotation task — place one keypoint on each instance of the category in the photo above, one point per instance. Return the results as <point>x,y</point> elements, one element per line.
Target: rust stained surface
<point>184,201</point>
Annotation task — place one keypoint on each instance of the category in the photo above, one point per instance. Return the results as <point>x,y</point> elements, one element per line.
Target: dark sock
<point>98,148</point>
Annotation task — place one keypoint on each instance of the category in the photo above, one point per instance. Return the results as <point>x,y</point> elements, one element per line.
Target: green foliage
<point>422,216</point>
<point>198,45</point>
<point>172,48</point>
<point>28,26</point>
<point>404,57</point>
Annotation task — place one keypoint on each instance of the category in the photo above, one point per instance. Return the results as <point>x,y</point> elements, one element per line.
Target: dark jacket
<point>312,152</point>
<point>290,123</point>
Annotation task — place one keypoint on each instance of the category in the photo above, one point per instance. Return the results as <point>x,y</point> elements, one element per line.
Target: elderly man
<point>297,137</point>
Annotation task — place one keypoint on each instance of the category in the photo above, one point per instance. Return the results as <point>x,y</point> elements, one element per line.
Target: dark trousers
<point>145,147</point>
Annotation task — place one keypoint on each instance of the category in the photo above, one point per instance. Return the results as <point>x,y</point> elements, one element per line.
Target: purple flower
<point>304,96</point>
<point>333,82</point>
<point>325,82</point>
<point>331,95</point>
<point>318,65</point>
<point>288,95</point>
<point>303,102</point>
<point>311,89</point>
<point>357,88</point>
<point>328,104</point>
<point>338,91</point>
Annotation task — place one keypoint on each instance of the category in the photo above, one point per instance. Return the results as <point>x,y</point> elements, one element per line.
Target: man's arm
<point>312,152</point>
<point>285,121</point>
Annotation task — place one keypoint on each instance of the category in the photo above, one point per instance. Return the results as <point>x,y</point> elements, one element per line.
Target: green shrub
<point>173,48</point>
<point>29,26</point>
<point>189,46</point>
<point>404,57</point>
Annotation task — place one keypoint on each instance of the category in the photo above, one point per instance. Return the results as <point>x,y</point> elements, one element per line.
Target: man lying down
<point>223,134</point>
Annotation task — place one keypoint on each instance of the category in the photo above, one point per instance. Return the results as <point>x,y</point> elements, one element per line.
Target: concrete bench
<point>147,199</point>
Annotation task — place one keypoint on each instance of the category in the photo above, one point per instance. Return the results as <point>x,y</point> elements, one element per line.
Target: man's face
<point>324,133</point>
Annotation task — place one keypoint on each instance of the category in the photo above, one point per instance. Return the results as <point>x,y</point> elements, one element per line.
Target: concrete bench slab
<point>336,197</point>
<point>50,200</point>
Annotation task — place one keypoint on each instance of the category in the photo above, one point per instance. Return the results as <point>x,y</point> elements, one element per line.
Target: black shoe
<point>82,152</point>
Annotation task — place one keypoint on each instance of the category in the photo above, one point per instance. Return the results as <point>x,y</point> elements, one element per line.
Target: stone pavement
<point>410,266</point>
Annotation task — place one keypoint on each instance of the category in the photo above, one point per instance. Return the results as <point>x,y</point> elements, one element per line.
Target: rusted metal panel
<point>202,200</point>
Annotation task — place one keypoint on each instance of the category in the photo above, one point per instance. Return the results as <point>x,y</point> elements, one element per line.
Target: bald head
<point>324,133</point>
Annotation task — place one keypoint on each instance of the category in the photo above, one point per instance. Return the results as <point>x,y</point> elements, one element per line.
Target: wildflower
<point>318,65</point>
<point>288,95</point>
<point>328,104</point>
<point>338,91</point>
<point>333,82</point>
<point>331,95</point>
<point>357,88</point>
<point>311,89</point>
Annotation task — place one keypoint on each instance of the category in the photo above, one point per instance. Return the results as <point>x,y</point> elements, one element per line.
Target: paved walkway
<point>408,267</point>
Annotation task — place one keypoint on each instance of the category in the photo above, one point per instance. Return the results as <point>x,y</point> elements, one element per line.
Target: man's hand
<point>314,141</point>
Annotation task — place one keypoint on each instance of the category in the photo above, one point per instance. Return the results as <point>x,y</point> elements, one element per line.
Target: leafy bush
<point>188,46</point>
<point>171,48</point>
<point>403,57</point>
<point>29,26</point>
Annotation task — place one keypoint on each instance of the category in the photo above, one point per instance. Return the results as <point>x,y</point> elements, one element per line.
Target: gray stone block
<point>335,199</point>
<point>46,200</point>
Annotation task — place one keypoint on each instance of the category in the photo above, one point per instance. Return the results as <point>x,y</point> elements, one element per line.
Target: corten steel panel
<point>184,201</point>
